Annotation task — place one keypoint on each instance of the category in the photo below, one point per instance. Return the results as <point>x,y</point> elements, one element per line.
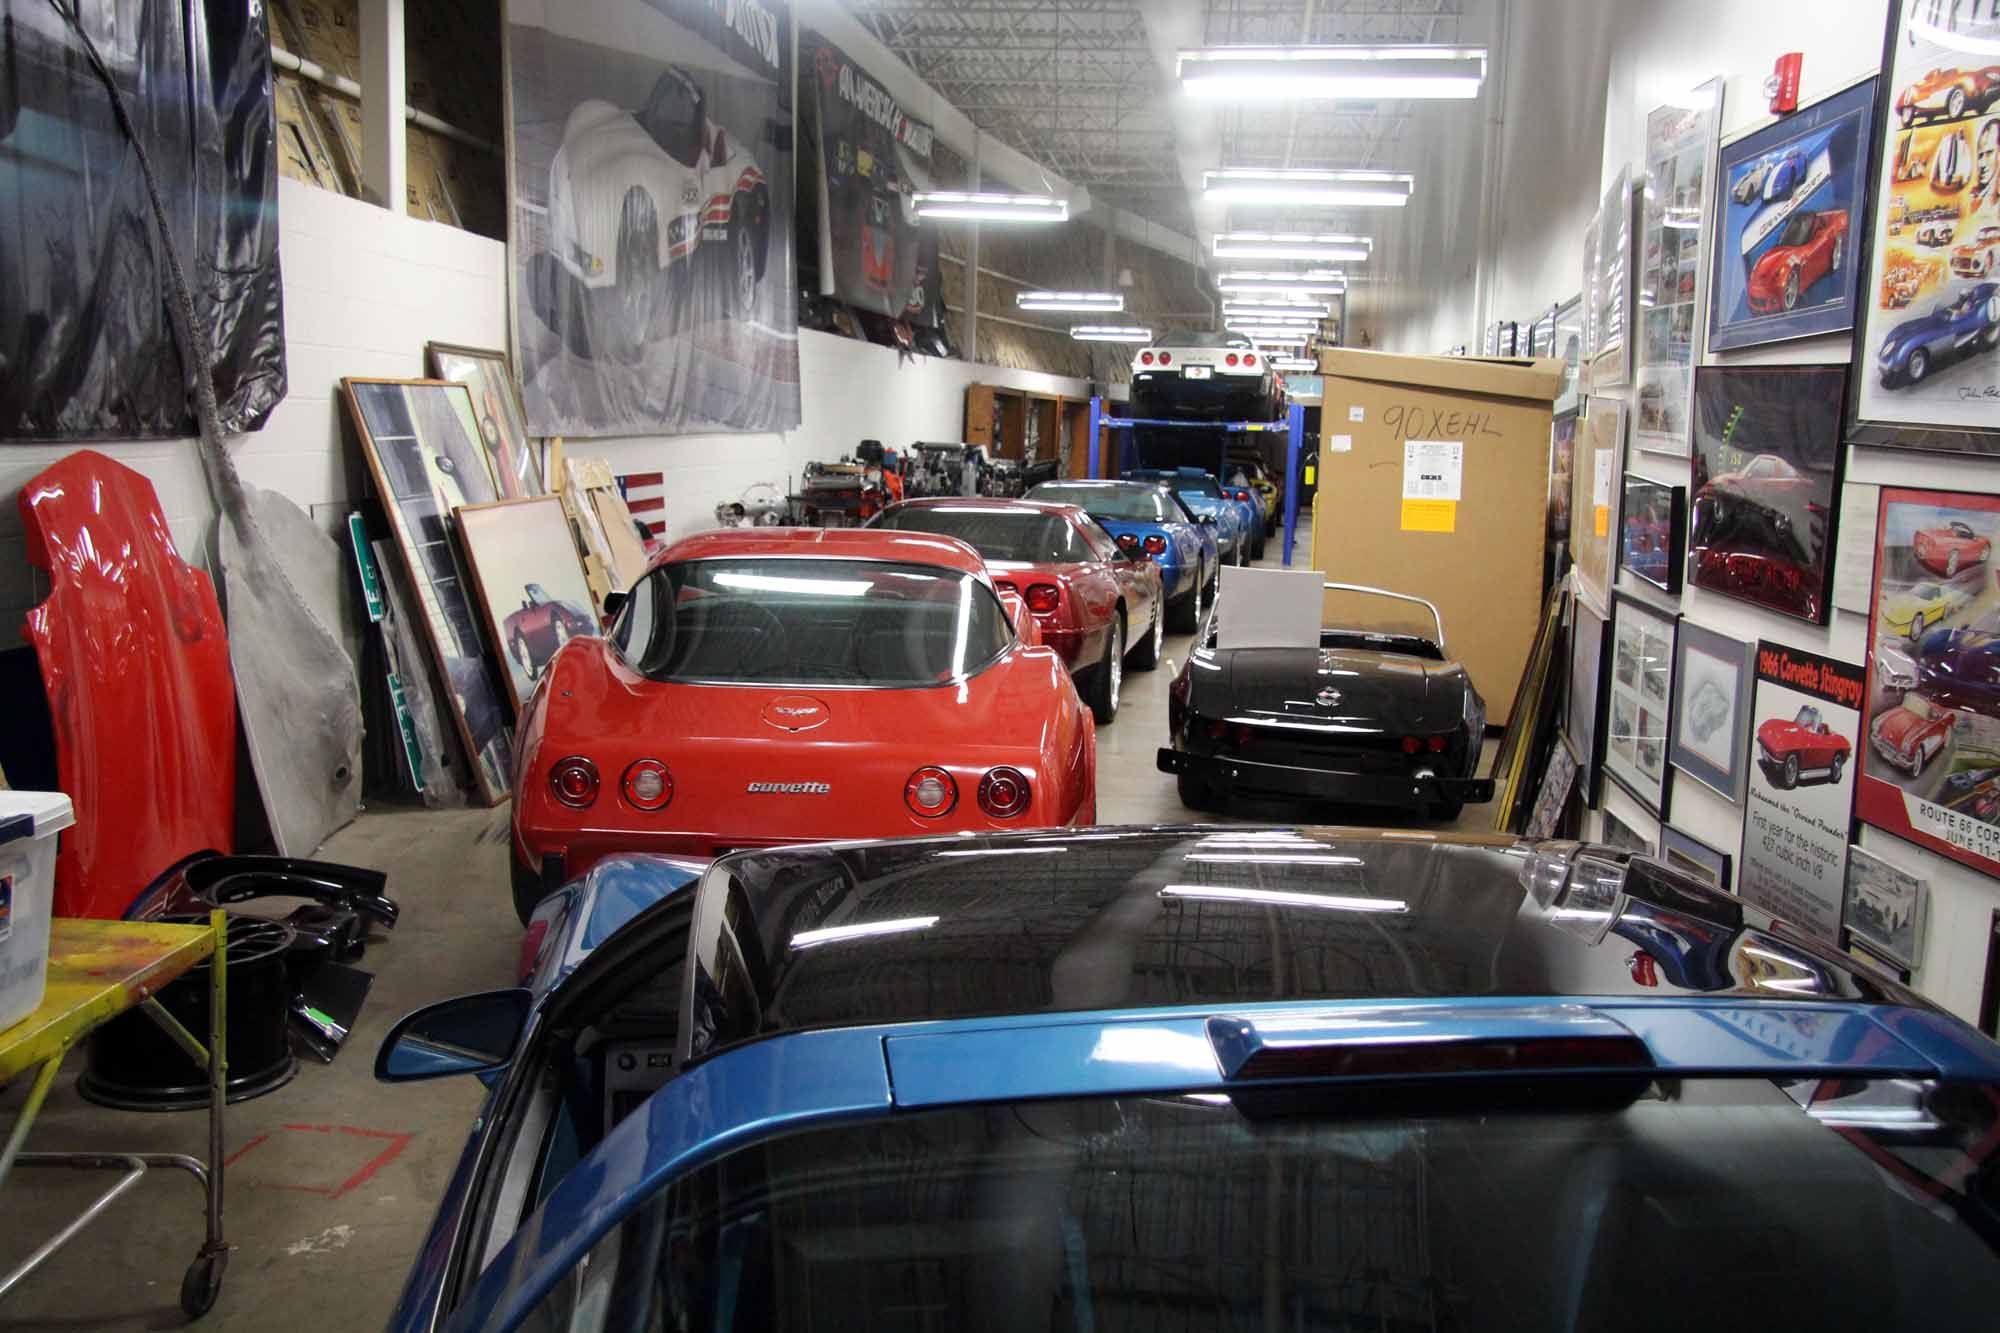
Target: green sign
<point>371,573</point>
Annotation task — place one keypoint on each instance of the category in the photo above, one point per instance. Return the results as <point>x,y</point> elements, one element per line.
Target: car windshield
<point>1685,1204</point>
<point>796,622</point>
<point>1144,504</point>
<point>1808,717</point>
<point>1928,592</point>
<point>1206,340</point>
<point>1916,704</point>
<point>1024,535</point>
<point>1799,230</point>
<point>1197,487</point>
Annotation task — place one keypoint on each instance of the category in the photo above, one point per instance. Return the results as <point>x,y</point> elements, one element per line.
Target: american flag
<point>646,496</point>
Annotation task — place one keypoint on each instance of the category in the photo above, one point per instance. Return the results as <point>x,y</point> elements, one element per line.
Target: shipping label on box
<point>1433,483</point>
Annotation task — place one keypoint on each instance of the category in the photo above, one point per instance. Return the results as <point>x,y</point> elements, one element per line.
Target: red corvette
<point>1097,603</point>
<point>1811,246</point>
<point>1803,747</point>
<point>1948,549</point>
<point>763,686</point>
<point>1914,734</point>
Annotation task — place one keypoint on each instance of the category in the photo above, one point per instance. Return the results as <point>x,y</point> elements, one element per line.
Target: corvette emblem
<point>790,789</point>
<point>796,712</point>
<point>1328,698</point>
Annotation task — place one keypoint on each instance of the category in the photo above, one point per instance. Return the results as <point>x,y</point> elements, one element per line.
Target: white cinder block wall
<point>365,289</point>
<point>1562,141</point>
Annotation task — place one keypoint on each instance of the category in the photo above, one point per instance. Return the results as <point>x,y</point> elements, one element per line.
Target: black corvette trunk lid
<point>1367,691</point>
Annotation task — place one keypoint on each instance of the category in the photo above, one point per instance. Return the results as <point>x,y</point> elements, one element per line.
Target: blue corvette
<point>1215,1078</point>
<point>1236,521</point>
<point>1913,349</point>
<point>1147,515</point>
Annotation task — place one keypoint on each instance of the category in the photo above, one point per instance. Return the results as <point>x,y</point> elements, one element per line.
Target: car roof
<point>945,928</point>
<point>826,544</point>
<point>1097,483</point>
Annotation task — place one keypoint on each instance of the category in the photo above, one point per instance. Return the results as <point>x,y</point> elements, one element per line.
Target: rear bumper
<point>1324,784</point>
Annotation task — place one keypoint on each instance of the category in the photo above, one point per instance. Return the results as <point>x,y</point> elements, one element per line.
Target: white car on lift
<point>1206,377</point>
<point>637,198</point>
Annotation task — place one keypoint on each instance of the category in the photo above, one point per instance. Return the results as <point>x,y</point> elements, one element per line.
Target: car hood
<point>1899,725</point>
<point>1334,690</point>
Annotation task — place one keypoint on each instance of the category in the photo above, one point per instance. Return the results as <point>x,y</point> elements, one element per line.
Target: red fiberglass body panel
<point>761,765</point>
<point>136,664</point>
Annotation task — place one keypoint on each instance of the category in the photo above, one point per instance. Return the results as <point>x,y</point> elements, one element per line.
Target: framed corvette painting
<point>1641,689</point>
<point>1712,683</point>
<point>1766,481</point>
<point>1610,290</point>
<point>1930,761</point>
<point>1927,357</point>
<point>1673,235</point>
<point>1785,263</point>
<point>1652,526</point>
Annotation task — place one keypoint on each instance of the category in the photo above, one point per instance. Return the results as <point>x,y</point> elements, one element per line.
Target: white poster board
<point>1269,608</point>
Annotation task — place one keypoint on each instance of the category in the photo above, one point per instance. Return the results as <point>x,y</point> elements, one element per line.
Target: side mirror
<point>470,1034</point>
<point>614,602</point>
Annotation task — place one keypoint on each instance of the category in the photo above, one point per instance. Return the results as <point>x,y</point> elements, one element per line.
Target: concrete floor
<point>334,1177</point>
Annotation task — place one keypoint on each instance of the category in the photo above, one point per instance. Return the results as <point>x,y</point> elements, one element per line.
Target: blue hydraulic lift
<point>1294,426</point>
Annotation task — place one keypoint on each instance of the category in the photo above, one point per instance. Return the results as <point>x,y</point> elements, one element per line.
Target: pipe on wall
<point>314,72</point>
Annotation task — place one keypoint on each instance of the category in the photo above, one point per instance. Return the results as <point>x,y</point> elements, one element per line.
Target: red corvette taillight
<point>1006,585</point>
<point>648,785</point>
<point>1004,792</point>
<point>1044,598</point>
<point>1435,744</point>
<point>1156,545</point>
<point>1145,358</point>
<point>1243,495</point>
<point>1127,541</point>
<point>1230,360</point>
<point>574,782</point>
<point>1249,358</point>
<point>1166,358</point>
<point>930,792</point>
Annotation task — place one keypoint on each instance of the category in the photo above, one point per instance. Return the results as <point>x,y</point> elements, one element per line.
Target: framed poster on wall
<point>1641,689</point>
<point>1931,769</point>
<point>1684,851</point>
<point>1598,465</point>
<point>1583,700</point>
<point>1673,248</point>
<point>1786,255</point>
<point>1609,287</point>
<point>1885,908</point>
<point>1927,370</point>
<point>1767,468</point>
<point>1806,726</point>
<point>1652,525</point>
<point>1712,683</point>
<point>1569,347</point>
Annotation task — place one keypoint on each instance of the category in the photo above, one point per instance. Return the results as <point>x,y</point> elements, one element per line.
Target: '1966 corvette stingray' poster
<point>1804,729</point>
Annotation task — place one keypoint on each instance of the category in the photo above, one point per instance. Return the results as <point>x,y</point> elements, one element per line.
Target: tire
<point>528,890</point>
<point>1920,366</point>
<point>627,311</point>
<point>1146,656</point>
<point>1186,610</point>
<point>1951,565</point>
<point>1792,288</point>
<point>1788,776</point>
<point>1839,762</point>
<point>1954,105</point>
<point>1107,678</point>
<point>1196,793</point>
<point>1839,254</point>
<point>517,648</point>
<point>202,1283</point>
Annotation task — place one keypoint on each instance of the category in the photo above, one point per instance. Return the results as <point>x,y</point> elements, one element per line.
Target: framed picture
<point>1610,290</point>
<point>1690,854</point>
<point>1548,819</point>
<point>532,593</point>
<point>1930,771</point>
<point>1568,345</point>
<point>421,440</point>
<point>1799,804</point>
<point>1594,493</point>
<point>1786,261</point>
<point>1641,694</point>
<point>1767,467</point>
<point>1712,686</point>
<point>1652,527</point>
<point>1562,467</point>
<point>1885,907</point>
<point>1673,249</point>
<point>1927,370</point>
<point>1620,833</point>
<point>1583,700</point>
<point>496,402</point>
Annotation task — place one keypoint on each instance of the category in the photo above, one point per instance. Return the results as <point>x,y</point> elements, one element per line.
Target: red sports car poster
<point>1805,728</point>
<point>1932,768</point>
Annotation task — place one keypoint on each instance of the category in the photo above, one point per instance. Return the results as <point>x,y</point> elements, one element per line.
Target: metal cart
<point>98,970</point>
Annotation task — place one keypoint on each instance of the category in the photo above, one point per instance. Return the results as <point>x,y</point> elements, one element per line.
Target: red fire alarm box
<point>1783,85</point>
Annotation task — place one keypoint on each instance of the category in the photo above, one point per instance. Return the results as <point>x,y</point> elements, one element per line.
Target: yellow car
<point>1244,473</point>
<point>1916,609</point>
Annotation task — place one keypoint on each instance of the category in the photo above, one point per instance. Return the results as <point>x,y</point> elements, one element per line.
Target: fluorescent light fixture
<point>1295,363</point>
<point>806,939</point>
<point>1224,893</point>
<point>1276,337</point>
<point>1111,333</point>
<point>963,206</point>
<point>1107,303</point>
<point>1320,247</point>
<point>1353,189</point>
<point>1273,307</point>
<point>1359,73</point>
<point>1319,282</point>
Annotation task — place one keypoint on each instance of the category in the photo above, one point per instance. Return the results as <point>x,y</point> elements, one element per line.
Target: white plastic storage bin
<point>29,823</point>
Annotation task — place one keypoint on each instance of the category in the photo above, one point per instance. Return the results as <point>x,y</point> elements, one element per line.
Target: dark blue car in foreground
<point>1235,535</point>
<point>1148,516</point>
<point>1913,349</point>
<point>1212,1078</point>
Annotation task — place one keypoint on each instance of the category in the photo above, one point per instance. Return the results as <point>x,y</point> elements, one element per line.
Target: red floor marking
<point>397,1142</point>
<point>234,1157</point>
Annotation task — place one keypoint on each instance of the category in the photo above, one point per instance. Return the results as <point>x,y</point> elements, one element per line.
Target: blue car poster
<point>1785,263</point>
<point>1927,368</point>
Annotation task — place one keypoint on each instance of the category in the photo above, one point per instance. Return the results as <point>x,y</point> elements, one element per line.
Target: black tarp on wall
<point>86,350</point>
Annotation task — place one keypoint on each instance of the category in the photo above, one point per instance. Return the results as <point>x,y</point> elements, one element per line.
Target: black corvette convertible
<point>1370,717</point>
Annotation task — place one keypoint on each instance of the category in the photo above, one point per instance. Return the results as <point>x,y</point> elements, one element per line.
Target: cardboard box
<point>1433,480</point>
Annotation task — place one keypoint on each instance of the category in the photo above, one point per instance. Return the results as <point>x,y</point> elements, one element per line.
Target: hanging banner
<point>651,153</point>
<point>872,158</point>
<point>1806,727</point>
<point>85,339</point>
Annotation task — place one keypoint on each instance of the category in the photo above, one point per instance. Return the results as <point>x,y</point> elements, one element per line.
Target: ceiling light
<point>1354,189</point>
<point>1282,337</point>
<point>806,939</point>
<point>1109,303</point>
<point>1360,73</point>
<point>1283,898</point>
<point>1316,282</point>
<point>1324,247</point>
<point>1295,363</point>
<point>1316,309</point>
<point>962,206</point>
<point>1111,333</point>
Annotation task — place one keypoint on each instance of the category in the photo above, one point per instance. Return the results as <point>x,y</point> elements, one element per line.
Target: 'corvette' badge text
<point>790,789</point>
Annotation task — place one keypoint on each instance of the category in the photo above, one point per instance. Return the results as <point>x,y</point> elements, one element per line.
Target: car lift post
<point>1294,427</point>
